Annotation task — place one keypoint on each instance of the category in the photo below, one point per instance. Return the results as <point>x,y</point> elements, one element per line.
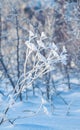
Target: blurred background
<point>59,19</point>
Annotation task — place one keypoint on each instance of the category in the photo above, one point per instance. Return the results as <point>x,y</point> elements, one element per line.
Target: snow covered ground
<point>64,117</point>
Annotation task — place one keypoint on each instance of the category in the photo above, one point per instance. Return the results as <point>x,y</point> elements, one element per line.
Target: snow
<point>45,120</point>
<point>38,113</point>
